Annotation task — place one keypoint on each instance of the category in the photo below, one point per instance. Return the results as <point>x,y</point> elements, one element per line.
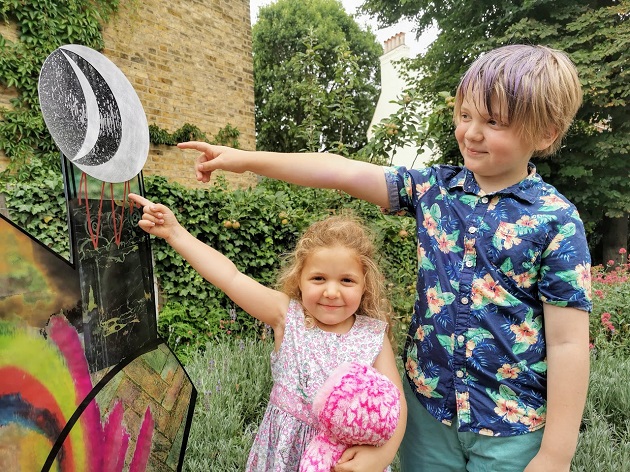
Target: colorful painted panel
<point>35,283</point>
<point>85,382</point>
<point>86,385</point>
<point>52,416</point>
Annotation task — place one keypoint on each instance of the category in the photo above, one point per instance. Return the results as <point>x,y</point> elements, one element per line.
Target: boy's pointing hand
<point>214,157</point>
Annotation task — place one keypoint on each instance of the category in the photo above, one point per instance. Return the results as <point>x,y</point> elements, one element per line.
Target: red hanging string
<point>81,181</point>
<point>118,231</point>
<point>117,226</point>
<point>83,186</point>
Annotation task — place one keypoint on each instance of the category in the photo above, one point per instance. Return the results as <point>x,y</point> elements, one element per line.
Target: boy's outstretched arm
<point>321,170</point>
<point>566,337</point>
<point>263,303</point>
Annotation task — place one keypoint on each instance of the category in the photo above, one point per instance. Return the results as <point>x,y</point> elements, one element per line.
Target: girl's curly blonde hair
<point>340,231</point>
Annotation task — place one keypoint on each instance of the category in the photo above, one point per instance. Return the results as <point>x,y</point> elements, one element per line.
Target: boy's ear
<point>547,139</point>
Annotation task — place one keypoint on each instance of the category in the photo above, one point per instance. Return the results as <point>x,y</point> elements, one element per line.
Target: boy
<point>497,352</point>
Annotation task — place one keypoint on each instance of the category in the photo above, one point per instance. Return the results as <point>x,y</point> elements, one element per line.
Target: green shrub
<point>39,207</point>
<point>233,379</point>
<point>254,228</point>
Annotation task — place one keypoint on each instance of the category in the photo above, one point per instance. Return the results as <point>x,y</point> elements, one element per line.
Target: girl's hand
<point>157,219</point>
<point>360,459</point>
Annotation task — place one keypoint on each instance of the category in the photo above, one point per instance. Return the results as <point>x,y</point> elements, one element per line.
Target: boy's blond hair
<point>349,233</point>
<point>534,88</point>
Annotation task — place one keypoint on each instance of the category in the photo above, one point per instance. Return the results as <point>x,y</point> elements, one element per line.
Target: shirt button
<point>484,200</point>
<point>469,263</point>
<point>464,300</point>
<point>461,338</point>
<point>459,374</point>
<point>472,230</point>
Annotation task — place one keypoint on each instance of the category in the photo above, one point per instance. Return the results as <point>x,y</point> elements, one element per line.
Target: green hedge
<point>254,228</point>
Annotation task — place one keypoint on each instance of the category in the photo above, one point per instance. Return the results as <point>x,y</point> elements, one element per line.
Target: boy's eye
<point>497,122</point>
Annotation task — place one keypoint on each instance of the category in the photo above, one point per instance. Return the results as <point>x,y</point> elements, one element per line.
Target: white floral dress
<point>304,361</point>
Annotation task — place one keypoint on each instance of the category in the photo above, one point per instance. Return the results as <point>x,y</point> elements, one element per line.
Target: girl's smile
<point>332,285</point>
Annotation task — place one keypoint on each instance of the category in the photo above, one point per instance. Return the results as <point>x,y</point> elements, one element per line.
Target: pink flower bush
<point>610,320</point>
<point>605,319</point>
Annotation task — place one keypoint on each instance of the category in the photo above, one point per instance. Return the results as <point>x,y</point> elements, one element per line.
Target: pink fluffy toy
<point>356,405</point>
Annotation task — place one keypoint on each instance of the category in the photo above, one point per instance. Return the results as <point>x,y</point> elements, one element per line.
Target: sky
<point>415,46</point>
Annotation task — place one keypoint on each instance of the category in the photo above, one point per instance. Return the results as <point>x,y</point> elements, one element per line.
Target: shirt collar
<point>526,189</point>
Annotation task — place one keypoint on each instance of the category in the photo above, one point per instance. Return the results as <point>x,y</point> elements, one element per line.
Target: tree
<point>592,168</point>
<point>316,77</point>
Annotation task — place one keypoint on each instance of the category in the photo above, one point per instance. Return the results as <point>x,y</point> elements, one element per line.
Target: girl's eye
<point>347,281</point>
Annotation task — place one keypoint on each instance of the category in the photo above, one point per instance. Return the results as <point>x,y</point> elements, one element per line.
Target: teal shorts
<point>431,446</point>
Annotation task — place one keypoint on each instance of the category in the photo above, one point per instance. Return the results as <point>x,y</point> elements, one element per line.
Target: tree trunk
<point>614,238</point>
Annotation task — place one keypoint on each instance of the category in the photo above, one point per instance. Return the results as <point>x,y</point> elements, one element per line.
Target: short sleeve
<point>404,187</point>
<point>565,275</point>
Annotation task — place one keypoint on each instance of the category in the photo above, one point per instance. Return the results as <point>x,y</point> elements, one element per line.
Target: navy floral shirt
<point>475,352</point>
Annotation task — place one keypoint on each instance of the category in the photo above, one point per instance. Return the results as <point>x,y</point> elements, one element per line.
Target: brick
<point>207,79</point>
<point>161,446</point>
<point>105,397</point>
<point>174,389</point>
<point>144,377</point>
<point>169,427</point>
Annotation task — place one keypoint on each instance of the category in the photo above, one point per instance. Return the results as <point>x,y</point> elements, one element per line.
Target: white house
<point>392,86</point>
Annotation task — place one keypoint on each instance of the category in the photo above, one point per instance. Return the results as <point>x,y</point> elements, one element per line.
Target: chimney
<point>395,41</point>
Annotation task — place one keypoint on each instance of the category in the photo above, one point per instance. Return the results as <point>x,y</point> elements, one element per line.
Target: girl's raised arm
<point>263,303</point>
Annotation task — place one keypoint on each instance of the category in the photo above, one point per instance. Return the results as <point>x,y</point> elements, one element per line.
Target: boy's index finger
<point>140,200</point>
<point>198,145</point>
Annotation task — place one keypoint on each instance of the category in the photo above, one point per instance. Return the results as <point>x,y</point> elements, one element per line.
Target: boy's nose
<point>473,132</point>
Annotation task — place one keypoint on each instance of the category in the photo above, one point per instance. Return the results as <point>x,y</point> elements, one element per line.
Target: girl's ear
<point>547,139</point>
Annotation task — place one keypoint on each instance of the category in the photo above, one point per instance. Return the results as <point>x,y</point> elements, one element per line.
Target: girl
<point>330,310</point>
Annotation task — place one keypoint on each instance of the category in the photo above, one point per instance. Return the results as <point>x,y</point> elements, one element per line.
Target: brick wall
<point>9,32</point>
<point>190,61</point>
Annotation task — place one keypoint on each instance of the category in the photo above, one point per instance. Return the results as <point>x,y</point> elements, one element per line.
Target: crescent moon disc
<point>93,113</point>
